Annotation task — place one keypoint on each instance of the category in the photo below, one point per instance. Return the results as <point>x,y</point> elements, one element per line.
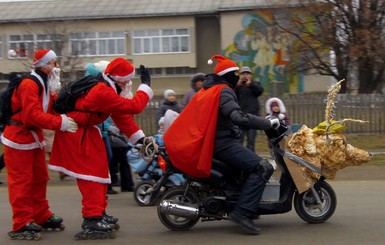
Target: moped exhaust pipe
<point>167,207</point>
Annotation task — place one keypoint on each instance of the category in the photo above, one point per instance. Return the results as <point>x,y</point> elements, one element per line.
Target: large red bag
<point>190,138</point>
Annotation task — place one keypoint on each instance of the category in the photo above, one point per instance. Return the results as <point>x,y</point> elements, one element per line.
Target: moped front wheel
<point>177,209</point>
<point>142,193</point>
<point>310,210</point>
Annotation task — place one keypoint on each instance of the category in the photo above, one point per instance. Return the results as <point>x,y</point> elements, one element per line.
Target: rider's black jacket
<point>230,116</point>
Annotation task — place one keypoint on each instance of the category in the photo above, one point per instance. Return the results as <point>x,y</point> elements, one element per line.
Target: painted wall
<point>251,39</point>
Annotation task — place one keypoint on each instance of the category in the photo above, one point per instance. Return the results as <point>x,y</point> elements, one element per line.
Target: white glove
<point>274,123</point>
<point>72,126</point>
<point>113,129</point>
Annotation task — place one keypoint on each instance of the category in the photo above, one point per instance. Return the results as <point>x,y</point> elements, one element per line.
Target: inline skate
<point>110,219</point>
<point>54,223</point>
<point>96,228</point>
<point>30,231</point>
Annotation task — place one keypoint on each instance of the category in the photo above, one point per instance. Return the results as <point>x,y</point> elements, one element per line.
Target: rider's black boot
<point>245,222</point>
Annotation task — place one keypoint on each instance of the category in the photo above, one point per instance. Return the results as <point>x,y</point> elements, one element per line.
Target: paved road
<point>359,218</point>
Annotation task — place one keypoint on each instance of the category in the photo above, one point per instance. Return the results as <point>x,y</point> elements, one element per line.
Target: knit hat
<point>198,76</point>
<point>120,69</point>
<point>168,92</point>
<point>223,66</point>
<point>43,57</point>
<point>246,69</point>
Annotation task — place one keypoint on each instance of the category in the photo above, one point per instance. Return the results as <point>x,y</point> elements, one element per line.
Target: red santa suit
<point>82,154</point>
<point>24,153</point>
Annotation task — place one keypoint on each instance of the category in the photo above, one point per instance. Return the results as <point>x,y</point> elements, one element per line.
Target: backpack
<point>69,94</point>
<point>6,111</point>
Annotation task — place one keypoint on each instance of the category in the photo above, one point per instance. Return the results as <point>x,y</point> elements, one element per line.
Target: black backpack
<point>69,94</point>
<point>6,111</point>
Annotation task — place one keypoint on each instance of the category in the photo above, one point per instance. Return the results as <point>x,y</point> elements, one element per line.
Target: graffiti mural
<point>265,49</point>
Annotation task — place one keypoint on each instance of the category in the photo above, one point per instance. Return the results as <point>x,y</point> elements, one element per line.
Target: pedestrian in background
<point>248,92</point>
<point>169,103</point>
<point>196,84</point>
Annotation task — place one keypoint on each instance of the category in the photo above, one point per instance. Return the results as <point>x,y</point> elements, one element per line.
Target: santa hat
<point>223,66</point>
<point>168,92</point>
<point>43,57</point>
<point>120,70</point>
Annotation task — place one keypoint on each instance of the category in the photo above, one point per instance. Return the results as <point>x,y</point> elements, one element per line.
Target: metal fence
<point>306,109</point>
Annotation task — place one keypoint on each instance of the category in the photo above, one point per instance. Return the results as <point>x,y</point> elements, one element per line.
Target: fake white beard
<point>54,80</point>
<point>126,91</point>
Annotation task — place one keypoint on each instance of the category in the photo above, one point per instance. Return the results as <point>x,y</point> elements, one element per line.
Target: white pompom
<point>281,116</point>
<point>12,53</point>
<point>210,62</point>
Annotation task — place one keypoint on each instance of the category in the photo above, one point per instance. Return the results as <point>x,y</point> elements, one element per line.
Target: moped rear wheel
<point>309,210</point>
<point>142,193</point>
<point>177,196</point>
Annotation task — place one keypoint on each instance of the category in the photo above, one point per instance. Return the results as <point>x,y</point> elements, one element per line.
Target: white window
<point>161,41</point>
<point>50,41</point>
<point>23,45</point>
<point>98,43</point>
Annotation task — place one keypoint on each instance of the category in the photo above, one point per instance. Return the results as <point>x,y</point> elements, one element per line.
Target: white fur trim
<point>80,176</point>
<point>18,146</point>
<point>136,136</point>
<point>210,62</point>
<point>45,59</point>
<point>64,122</point>
<point>124,78</point>
<point>228,70</point>
<point>145,88</point>
<point>282,107</point>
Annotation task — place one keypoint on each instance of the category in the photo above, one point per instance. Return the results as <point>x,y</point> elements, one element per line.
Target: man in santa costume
<point>24,143</point>
<point>214,119</point>
<point>82,155</point>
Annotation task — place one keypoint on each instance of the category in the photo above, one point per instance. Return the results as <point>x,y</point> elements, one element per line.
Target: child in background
<point>169,103</point>
<point>275,108</point>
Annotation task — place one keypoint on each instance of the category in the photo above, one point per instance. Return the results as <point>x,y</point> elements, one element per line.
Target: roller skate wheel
<point>117,226</point>
<point>62,227</point>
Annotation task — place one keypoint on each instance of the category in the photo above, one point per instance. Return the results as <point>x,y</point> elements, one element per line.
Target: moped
<point>212,198</point>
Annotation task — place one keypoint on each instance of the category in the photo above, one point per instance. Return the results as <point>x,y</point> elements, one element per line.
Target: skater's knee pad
<point>265,170</point>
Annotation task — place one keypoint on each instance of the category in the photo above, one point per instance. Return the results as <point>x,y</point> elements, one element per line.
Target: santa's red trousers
<point>94,199</point>
<point>27,186</point>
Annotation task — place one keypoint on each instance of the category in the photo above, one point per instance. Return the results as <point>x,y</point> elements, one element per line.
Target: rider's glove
<point>274,123</point>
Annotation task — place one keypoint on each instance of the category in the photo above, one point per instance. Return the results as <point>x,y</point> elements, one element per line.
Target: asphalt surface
<point>359,217</point>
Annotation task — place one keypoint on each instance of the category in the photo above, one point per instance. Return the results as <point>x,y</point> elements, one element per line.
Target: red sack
<point>190,138</point>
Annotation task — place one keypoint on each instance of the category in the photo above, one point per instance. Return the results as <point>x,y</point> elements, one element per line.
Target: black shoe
<point>112,192</point>
<point>115,183</point>
<point>128,190</point>
<point>245,222</point>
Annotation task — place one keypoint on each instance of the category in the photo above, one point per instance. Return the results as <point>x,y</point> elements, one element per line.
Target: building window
<point>23,45</point>
<point>169,71</point>
<point>50,41</point>
<point>161,41</point>
<point>97,43</point>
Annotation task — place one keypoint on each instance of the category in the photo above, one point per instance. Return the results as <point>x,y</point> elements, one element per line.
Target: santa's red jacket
<point>82,154</point>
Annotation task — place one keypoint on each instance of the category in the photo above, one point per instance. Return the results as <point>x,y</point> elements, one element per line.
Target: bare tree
<point>339,38</point>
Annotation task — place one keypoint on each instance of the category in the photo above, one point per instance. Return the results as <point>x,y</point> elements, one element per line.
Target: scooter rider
<point>228,149</point>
